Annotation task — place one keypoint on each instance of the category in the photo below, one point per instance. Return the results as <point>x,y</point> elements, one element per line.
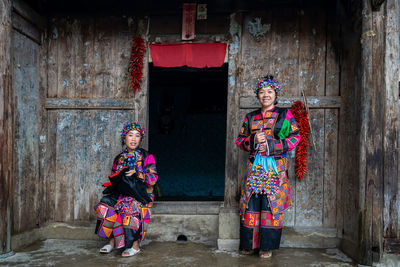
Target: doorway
<point>187,132</point>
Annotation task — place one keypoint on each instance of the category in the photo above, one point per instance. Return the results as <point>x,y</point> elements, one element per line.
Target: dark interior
<point>187,131</point>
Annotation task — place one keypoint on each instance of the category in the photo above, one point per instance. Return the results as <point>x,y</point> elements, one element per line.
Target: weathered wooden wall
<point>299,47</point>
<point>87,100</point>
<point>6,126</point>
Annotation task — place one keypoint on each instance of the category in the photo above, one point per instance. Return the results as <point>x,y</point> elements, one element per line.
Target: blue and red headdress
<point>130,127</point>
<point>268,81</point>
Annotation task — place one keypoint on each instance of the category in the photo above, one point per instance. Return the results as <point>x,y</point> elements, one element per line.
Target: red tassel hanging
<point>136,63</point>
<point>301,116</point>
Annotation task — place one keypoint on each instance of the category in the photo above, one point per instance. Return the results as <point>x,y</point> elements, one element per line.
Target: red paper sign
<point>188,21</point>
<point>199,55</point>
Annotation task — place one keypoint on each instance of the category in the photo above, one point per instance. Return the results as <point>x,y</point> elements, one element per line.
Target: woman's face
<point>132,140</point>
<point>266,96</point>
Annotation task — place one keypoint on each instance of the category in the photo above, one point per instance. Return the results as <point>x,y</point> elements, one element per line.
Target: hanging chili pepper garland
<point>136,63</point>
<point>301,116</point>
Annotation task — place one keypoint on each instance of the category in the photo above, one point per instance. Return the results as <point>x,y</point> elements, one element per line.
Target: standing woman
<point>124,213</point>
<point>272,132</point>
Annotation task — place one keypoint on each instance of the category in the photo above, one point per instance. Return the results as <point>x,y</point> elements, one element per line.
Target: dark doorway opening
<point>187,132</point>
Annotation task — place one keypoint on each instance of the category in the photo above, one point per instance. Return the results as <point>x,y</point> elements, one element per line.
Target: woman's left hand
<point>130,173</point>
<point>280,181</point>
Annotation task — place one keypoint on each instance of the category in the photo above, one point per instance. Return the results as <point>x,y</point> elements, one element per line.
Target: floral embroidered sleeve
<point>245,140</point>
<point>289,137</point>
<point>151,175</point>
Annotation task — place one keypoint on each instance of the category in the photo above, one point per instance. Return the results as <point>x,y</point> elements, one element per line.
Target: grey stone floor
<point>59,252</point>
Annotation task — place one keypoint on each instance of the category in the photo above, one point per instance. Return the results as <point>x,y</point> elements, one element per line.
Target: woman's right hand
<point>260,137</point>
<point>130,173</point>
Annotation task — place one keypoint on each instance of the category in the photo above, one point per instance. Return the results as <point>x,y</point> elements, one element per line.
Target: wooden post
<point>232,124</point>
<point>391,120</point>
<point>379,128</point>
<point>6,127</point>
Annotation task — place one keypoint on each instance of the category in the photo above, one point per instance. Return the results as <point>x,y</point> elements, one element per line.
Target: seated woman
<point>124,213</point>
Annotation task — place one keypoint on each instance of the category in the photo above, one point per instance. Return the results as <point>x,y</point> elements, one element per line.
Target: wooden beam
<point>6,127</point>
<point>26,28</point>
<point>314,102</point>
<point>65,103</point>
<point>28,13</point>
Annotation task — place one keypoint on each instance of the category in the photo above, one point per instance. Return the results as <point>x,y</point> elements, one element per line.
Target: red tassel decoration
<point>136,63</point>
<point>301,116</point>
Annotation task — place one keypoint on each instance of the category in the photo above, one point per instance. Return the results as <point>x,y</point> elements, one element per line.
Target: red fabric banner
<point>199,55</point>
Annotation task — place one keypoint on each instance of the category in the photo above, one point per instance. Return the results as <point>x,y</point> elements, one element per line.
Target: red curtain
<point>199,55</point>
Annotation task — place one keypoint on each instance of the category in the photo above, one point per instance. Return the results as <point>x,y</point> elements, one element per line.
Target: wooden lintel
<point>109,104</point>
<point>314,102</point>
<point>26,28</point>
<point>28,13</point>
<point>200,38</point>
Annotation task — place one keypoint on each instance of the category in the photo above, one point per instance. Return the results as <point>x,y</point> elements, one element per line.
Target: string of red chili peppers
<point>301,116</point>
<point>136,63</point>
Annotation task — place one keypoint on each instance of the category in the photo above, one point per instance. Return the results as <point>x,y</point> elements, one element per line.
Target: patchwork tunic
<point>260,228</point>
<point>123,217</point>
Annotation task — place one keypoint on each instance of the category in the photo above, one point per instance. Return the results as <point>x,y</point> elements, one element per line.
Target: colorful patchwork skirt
<point>123,218</point>
<point>260,229</point>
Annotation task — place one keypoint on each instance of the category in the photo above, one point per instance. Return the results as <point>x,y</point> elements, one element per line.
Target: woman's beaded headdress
<point>130,127</point>
<point>268,81</point>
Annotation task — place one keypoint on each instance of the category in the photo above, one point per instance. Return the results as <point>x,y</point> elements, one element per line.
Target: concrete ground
<point>61,252</point>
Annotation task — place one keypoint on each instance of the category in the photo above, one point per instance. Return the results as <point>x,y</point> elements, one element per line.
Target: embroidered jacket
<point>282,134</point>
<point>144,164</point>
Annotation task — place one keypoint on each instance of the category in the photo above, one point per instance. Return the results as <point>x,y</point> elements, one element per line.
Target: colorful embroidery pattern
<point>262,182</point>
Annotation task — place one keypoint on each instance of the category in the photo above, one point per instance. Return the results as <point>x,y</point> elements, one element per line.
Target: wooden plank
<point>104,82</point>
<point>309,191</point>
<point>314,102</point>
<point>52,65</point>
<point>312,51</point>
<point>330,167</point>
<point>50,166</point>
<point>80,174</point>
<point>6,127</point>
<point>26,88</point>
<point>82,44</point>
<point>66,58</point>
<point>122,43</point>
<point>391,121</point>
<point>287,59</point>
<point>65,103</point>
<point>64,165</point>
<point>42,128</point>
<point>24,27</point>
